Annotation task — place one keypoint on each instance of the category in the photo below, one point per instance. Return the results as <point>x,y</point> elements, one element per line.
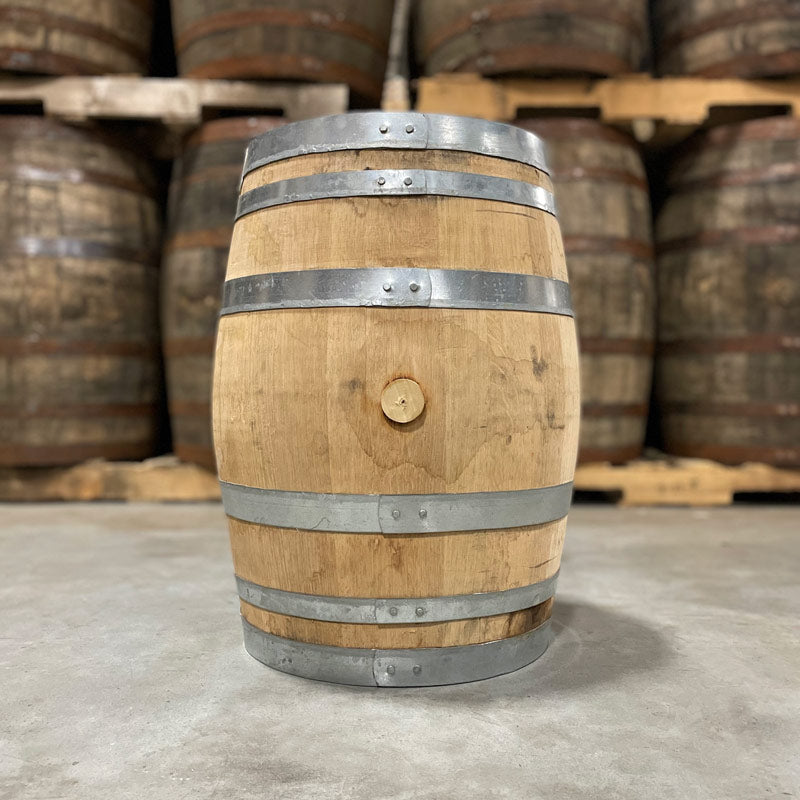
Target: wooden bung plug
<point>402,400</point>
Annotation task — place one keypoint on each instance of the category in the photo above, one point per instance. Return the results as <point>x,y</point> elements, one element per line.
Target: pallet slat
<point>645,104</point>
<point>173,101</point>
<point>683,482</point>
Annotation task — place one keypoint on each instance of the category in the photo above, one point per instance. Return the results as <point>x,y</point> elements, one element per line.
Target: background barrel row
<point>83,236</point>
<point>346,41</point>
<point>79,345</point>
<point>712,38</point>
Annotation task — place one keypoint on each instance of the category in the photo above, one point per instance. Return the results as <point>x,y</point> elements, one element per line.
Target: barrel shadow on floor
<point>592,645</point>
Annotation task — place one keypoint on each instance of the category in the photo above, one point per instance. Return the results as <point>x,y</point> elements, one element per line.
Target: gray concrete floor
<point>674,672</point>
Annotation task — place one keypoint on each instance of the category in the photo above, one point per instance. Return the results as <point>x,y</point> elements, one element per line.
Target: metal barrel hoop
<point>397,287</point>
<point>396,514</point>
<point>372,130</point>
<point>395,183</point>
<point>396,610</point>
<point>431,666</point>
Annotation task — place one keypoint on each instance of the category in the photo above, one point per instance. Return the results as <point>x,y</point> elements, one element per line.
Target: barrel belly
<point>369,550</point>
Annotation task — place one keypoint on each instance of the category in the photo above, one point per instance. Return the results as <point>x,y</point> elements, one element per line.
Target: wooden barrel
<point>604,209</point>
<point>396,399</point>
<point>79,37</point>
<point>79,367</point>
<point>728,38</point>
<point>544,37</point>
<point>203,195</point>
<point>729,282</point>
<point>336,41</point>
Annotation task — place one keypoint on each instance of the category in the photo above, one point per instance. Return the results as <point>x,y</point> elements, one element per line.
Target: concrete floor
<point>674,672</point>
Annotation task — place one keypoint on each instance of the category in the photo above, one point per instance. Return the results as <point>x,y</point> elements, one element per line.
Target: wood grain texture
<point>342,41</point>
<point>79,232</point>
<point>203,194</point>
<point>542,37</point>
<point>728,38</point>
<point>298,391</point>
<point>604,210</point>
<point>75,37</point>
<point>729,238</point>
<point>430,565</point>
<point>431,634</point>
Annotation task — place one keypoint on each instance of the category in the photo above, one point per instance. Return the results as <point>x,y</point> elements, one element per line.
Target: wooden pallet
<point>157,479</point>
<point>684,481</point>
<point>172,101</point>
<point>665,482</point>
<point>657,110</point>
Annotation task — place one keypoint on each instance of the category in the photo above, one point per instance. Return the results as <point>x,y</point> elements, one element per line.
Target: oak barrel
<point>604,210</point>
<point>544,37</point>
<point>396,399</point>
<point>75,37</point>
<point>203,195</point>
<point>728,38</point>
<point>79,367</point>
<point>729,281</point>
<point>335,41</point>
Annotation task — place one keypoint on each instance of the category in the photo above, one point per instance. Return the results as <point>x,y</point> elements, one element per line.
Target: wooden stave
<point>613,423</point>
<point>479,37</point>
<point>330,42</point>
<point>74,327</point>
<point>754,340</point>
<point>193,270</point>
<point>95,44</point>
<point>288,260</point>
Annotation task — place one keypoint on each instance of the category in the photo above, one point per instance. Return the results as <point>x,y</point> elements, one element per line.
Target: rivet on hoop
<point>384,128</point>
<point>408,181</point>
<point>381,181</point>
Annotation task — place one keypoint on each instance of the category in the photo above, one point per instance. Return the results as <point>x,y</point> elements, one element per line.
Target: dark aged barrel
<point>75,37</point>
<point>729,273</point>
<point>604,210</point>
<point>728,38</point>
<point>79,229</point>
<point>336,41</point>
<point>205,187</point>
<point>396,399</point>
<point>493,37</point>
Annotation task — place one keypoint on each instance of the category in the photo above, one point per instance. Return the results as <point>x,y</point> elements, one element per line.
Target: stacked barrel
<point>728,242</point>
<point>729,264</point>
<point>604,204</point>
<point>78,322</point>
<point>340,41</point>
<point>205,187</point>
<point>495,37</point>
